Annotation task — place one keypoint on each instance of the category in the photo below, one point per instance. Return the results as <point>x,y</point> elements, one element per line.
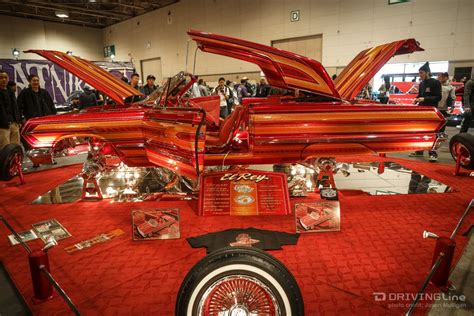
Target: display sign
<point>244,192</point>
<point>59,83</point>
<point>109,51</point>
<point>295,16</point>
<point>321,216</point>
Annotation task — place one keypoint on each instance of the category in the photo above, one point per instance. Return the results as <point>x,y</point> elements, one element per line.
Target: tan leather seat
<point>221,138</point>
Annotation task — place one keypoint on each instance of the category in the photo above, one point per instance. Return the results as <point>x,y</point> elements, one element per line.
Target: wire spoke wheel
<point>238,295</point>
<point>239,281</point>
<point>15,164</point>
<point>461,147</point>
<point>461,152</point>
<point>11,158</point>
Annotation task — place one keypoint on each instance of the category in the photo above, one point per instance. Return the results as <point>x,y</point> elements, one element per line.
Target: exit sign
<point>109,51</point>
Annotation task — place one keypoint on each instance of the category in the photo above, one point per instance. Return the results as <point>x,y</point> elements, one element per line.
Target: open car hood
<point>367,63</point>
<point>282,69</point>
<point>90,73</point>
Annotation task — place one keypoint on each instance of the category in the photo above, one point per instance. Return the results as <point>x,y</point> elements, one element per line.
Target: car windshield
<point>169,88</point>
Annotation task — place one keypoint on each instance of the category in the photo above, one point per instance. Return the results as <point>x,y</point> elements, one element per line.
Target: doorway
<point>151,66</point>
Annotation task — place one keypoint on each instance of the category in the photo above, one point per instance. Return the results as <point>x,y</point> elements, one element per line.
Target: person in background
<point>448,95</point>
<point>429,94</point>
<point>365,93</point>
<point>468,104</point>
<point>134,79</point>
<point>242,89</point>
<point>35,101</point>
<point>87,98</point>
<point>10,116</point>
<point>383,94</point>
<point>150,85</point>
<point>263,89</point>
<point>99,97</point>
<point>334,77</point>
<point>223,92</point>
<point>11,85</point>
<point>203,88</point>
<point>232,100</point>
<point>195,90</point>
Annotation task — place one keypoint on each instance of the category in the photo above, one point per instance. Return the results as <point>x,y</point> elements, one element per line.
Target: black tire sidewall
<point>253,259</point>
<point>468,141</point>
<point>6,155</point>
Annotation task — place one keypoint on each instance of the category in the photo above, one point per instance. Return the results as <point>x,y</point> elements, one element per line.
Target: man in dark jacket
<point>150,85</point>
<point>35,101</point>
<point>468,104</point>
<point>263,89</point>
<point>429,94</point>
<point>10,118</point>
<point>87,98</point>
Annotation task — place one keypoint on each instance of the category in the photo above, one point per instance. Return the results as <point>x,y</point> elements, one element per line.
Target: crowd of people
<point>439,93</point>
<point>35,101</point>
<point>231,93</point>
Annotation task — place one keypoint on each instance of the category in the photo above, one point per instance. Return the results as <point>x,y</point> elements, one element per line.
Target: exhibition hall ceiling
<point>92,13</point>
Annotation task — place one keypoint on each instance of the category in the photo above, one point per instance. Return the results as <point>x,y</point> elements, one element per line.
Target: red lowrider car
<point>185,135</point>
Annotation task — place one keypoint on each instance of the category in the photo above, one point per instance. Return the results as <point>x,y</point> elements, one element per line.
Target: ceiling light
<point>62,14</point>
<point>15,53</point>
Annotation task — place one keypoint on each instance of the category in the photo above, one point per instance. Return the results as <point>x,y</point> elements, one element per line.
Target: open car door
<point>367,63</point>
<point>175,139</point>
<point>282,69</point>
<point>92,74</point>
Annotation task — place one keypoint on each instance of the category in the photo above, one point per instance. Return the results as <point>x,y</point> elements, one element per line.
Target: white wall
<point>443,27</point>
<point>26,34</point>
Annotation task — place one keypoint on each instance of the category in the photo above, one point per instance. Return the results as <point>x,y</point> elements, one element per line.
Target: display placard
<point>49,228</point>
<point>323,216</point>
<point>244,192</point>
<point>155,223</point>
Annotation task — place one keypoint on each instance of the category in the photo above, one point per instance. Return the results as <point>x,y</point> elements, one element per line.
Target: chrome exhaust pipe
<point>440,138</point>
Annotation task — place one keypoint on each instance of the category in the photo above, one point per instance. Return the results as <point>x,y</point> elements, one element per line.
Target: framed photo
<point>155,223</point>
<point>321,216</point>
<point>25,236</point>
<point>49,228</point>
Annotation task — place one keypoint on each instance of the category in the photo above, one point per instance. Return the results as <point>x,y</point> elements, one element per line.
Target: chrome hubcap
<point>15,164</point>
<point>238,295</point>
<point>462,153</point>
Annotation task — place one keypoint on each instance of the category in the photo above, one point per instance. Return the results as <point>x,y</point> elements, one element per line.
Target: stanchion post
<point>42,288</point>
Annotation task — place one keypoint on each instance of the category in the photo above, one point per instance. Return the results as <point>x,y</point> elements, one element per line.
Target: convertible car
<point>184,135</point>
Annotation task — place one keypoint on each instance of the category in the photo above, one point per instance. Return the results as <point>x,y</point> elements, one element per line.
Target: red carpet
<point>380,249</point>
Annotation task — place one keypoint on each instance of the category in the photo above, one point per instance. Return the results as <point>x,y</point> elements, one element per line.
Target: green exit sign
<point>109,51</point>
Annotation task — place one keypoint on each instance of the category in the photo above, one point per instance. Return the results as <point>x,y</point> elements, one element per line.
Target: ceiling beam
<point>71,7</point>
<point>71,11</point>
<point>52,19</point>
